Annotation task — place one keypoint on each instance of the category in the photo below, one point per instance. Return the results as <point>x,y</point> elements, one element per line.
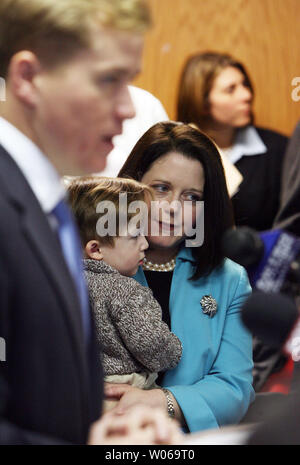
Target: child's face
<point>126,255</point>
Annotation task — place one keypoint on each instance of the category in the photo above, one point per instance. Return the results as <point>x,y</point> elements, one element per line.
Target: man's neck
<point>22,120</point>
<point>17,118</point>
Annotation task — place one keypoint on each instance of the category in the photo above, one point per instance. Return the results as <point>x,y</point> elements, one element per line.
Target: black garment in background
<point>288,216</point>
<point>160,284</point>
<point>257,201</point>
<point>278,416</point>
<point>267,360</point>
<point>281,424</point>
<point>256,205</point>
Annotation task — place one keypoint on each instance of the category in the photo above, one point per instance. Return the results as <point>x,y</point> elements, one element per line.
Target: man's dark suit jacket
<point>50,383</point>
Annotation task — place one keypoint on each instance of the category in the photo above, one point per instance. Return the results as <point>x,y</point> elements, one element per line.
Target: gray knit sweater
<point>129,323</point>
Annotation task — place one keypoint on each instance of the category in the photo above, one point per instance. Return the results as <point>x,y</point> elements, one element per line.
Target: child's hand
<point>116,391</point>
<point>130,396</point>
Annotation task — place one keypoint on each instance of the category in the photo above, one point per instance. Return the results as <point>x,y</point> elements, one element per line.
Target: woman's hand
<point>130,396</point>
<point>140,425</point>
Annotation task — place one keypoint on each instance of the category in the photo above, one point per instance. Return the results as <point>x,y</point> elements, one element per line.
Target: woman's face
<point>173,177</point>
<point>230,100</point>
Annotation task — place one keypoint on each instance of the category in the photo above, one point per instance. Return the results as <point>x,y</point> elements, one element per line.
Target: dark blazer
<point>257,201</point>
<point>50,383</point>
<point>256,205</point>
<point>279,423</point>
<point>288,216</point>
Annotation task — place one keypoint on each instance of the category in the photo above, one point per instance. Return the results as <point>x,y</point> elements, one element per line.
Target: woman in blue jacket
<point>200,291</point>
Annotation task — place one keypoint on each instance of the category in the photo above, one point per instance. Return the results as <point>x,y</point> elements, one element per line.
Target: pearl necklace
<point>169,266</point>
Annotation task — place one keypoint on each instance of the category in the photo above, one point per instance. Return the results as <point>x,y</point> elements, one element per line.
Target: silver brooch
<point>209,305</point>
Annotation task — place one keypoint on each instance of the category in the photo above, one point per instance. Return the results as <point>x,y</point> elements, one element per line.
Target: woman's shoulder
<point>226,267</point>
<point>231,278</point>
<point>229,269</point>
<point>271,137</point>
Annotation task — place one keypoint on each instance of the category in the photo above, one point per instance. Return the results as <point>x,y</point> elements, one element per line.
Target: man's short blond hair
<point>55,29</point>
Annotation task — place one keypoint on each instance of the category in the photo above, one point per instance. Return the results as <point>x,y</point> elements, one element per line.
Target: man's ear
<point>93,251</point>
<point>24,67</point>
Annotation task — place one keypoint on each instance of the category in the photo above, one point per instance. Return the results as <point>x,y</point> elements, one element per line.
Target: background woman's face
<point>173,177</point>
<point>230,99</point>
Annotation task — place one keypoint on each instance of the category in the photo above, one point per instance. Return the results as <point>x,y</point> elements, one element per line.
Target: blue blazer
<point>213,380</point>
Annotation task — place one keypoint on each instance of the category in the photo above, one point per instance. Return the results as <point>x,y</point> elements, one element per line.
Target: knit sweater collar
<point>98,266</point>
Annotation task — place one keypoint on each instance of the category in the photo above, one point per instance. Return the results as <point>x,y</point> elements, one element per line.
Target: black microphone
<point>243,245</point>
<point>275,320</point>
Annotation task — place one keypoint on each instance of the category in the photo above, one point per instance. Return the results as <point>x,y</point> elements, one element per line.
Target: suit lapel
<point>47,249</point>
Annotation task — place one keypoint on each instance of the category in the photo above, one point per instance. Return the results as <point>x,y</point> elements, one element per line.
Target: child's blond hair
<point>86,192</point>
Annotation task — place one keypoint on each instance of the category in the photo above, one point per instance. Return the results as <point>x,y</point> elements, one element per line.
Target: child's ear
<point>93,251</point>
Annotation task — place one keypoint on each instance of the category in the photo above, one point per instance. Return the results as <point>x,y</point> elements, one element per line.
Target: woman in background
<point>200,291</point>
<point>216,94</point>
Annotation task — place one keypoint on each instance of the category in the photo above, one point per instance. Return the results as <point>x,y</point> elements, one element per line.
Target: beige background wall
<point>263,34</point>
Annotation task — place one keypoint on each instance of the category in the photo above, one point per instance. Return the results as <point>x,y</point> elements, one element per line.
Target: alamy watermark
<point>177,219</point>
<point>296,92</point>
<point>2,350</point>
<point>2,90</point>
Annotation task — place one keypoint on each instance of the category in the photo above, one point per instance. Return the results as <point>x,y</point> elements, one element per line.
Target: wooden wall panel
<point>263,34</point>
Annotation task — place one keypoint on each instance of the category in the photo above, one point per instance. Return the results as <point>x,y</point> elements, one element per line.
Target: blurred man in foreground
<point>66,65</point>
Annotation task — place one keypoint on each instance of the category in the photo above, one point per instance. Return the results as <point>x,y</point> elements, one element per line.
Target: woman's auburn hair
<point>196,82</point>
<point>166,137</point>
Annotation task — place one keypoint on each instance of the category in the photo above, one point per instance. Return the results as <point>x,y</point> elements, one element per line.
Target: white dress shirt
<point>247,142</point>
<point>40,174</point>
